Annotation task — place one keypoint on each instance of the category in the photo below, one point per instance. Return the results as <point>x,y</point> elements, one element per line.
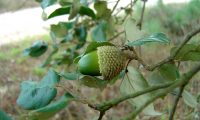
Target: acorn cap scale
<point>111,61</point>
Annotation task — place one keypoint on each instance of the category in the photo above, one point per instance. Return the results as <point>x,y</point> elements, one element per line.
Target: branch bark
<point>109,104</point>
<point>180,82</point>
<point>186,39</point>
<point>176,103</point>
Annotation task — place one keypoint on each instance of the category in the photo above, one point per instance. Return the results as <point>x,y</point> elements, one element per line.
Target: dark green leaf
<point>156,37</point>
<point>36,95</point>
<point>189,99</point>
<point>133,82</point>
<point>93,46</point>
<point>47,3</point>
<point>87,11</point>
<point>102,11</point>
<point>37,49</point>
<point>77,59</point>
<point>99,32</point>
<point>51,109</point>
<point>81,33</point>
<point>188,52</point>
<point>60,11</point>
<point>4,116</point>
<point>70,76</point>
<point>93,82</point>
<point>169,71</point>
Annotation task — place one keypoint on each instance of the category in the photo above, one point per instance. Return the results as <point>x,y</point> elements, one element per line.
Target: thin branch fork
<point>172,112</point>
<point>186,39</point>
<point>180,82</point>
<point>109,104</point>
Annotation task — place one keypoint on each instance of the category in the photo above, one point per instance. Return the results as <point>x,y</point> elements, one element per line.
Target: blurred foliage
<point>175,19</point>
<point>91,27</point>
<point>13,5</point>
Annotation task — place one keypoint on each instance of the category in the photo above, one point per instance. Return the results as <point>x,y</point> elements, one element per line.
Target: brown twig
<point>115,36</point>
<point>176,103</point>
<point>186,39</point>
<point>184,79</point>
<point>115,6</point>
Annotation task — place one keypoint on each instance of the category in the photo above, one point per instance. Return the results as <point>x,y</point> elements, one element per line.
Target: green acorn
<point>107,61</point>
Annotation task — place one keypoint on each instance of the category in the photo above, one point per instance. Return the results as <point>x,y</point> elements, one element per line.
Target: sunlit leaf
<point>133,82</point>
<point>35,95</point>
<point>131,30</point>
<point>74,9</point>
<point>37,49</point>
<point>156,37</point>
<point>102,10</point>
<point>189,99</point>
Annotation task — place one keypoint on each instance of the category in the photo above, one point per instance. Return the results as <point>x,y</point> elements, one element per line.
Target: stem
<point>115,36</point>
<point>101,115</point>
<point>107,105</point>
<point>180,82</point>
<point>115,6</point>
<point>176,103</point>
<point>172,57</point>
<point>186,40</point>
<point>142,16</point>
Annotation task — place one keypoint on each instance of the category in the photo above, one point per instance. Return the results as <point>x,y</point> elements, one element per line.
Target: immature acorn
<point>107,61</point>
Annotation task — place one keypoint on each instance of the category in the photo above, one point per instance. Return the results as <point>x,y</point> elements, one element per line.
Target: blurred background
<point>21,24</point>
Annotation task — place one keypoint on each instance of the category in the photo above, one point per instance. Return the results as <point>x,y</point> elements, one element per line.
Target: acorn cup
<point>106,61</point>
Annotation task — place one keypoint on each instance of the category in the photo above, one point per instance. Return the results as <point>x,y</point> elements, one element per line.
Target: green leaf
<point>68,10</point>
<point>133,82</point>
<point>61,29</point>
<point>51,109</point>
<point>98,32</point>
<point>81,33</point>
<point>189,99</point>
<point>188,52</point>
<point>156,37</point>
<point>102,10</point>
<point>131,30</point>
<point>65,2</point>
<point>49,58</point>
<point>37,49</point>
<point>70,76</point>
<point>169,71</point>
<point>164,74</point>
<point>60,11</point>
<point>47,3</point>
<point>87,11</point>
<point>93,46</point>
<point>74,9</point>
<point>4,116</point>
<point>36,95</point>
<point>93,82</point>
